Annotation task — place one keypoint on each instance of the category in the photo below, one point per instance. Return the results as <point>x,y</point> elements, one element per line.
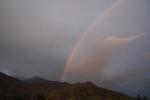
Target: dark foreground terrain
<point>40,89</point>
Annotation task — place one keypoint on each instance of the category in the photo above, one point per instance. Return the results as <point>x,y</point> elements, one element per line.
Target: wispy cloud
<point>147,54</point>
<point>99,56</point>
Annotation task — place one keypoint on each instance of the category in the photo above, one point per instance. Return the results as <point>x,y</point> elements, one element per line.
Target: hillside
<point>38,88</point>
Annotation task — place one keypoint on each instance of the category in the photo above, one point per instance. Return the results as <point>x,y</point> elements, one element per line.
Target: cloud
<point>6,71</point>
<point>115,41</point>
<point>132,72</point>
<point>98,56</point>
<point>147,54</point>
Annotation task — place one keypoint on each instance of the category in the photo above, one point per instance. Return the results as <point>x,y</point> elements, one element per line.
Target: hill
<point>38,88</point>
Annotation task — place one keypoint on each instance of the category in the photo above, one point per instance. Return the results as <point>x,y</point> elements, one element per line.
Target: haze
<point>38,36</point>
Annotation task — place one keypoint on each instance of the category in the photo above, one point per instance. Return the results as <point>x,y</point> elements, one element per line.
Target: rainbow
<point>92,25</point>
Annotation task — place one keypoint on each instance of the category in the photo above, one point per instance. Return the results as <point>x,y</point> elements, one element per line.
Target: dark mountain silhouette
<point>38,88</point>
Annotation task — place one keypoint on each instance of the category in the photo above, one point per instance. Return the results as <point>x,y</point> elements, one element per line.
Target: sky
<point>37,38</point>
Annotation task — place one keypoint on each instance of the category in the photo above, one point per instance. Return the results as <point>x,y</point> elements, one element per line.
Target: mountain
<point>38,88</point>
<point>10,86</point>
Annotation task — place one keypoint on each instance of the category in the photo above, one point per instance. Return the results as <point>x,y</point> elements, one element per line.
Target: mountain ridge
<point>53,90</point>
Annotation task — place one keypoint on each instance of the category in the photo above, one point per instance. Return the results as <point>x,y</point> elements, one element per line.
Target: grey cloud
<point>37,37</point>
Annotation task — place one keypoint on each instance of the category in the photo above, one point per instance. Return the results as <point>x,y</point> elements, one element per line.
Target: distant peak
<point>37,78</point>
<point>89,83</point>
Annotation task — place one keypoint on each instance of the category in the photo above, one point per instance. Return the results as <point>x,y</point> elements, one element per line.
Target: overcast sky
<point>37,37</point>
